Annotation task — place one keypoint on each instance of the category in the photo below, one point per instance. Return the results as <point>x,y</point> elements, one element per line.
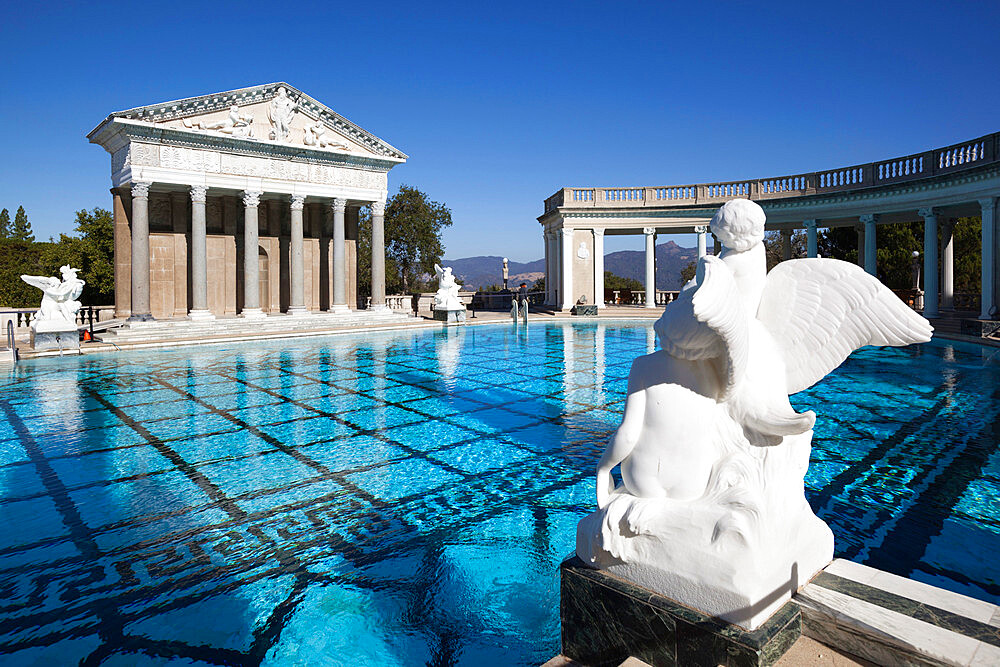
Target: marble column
<point>859,229</point>
<point>378,255</point>
<point>566,269</point>
<point>546,245</point>
<point>141,311</point>
<point>199,256</point>
<point>930,261</point>
<point>557,272</point>
<point>948,264</point>
<point>123,256</point>
<point>988,286</point>
<point>650,233</point>
<point>869,222</point>
<point>702,232</point>
<point>251,260</point>
<point>811,245</point>
<point>716,245</point>
<point>296,268</point>
<point>786,244</point>
<point>599,267</point>
<point>339,305</point>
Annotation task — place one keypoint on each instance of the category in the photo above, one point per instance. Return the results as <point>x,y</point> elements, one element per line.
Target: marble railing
<point>939,161</point>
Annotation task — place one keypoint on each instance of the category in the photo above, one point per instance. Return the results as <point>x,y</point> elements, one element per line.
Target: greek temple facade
<point>935,187</point>
<point>244,203</point>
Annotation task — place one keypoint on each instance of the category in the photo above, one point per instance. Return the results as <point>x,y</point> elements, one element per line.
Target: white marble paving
<point>986,655</point>
<point>995,621</point>
<point>879,626</point>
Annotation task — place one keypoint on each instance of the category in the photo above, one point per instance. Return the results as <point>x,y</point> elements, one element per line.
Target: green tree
<point>687,273</point>
<point>612,281</point>
<point>539,285</point>
<point>22,228</point>
<point>5,228</point>
<point>774,247</point>
<point>413,226</point>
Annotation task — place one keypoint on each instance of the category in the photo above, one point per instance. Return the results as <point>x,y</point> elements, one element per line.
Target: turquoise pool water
<point>405,498</point>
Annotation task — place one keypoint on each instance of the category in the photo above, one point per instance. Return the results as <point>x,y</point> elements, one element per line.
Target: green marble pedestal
<point>606,619</point>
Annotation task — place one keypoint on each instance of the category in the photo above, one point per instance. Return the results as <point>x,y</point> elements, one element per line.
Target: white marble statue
<point>235,123</point>
<point>711,510</point>
<point>447,295</point>
<point>280,113</point>
<point>315,135</point>
<point>59,300</point>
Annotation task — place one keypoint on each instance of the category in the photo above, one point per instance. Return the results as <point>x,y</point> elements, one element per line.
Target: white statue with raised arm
<point>447,295</point>
<point>711,509</point>
<point>59,300</point>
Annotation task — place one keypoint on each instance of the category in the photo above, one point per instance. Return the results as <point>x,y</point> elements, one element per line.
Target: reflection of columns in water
<point>449,351</point>
<point>569,359</point>
<point>599,364</point>
<point>650,340</point>
<point>378,344</point>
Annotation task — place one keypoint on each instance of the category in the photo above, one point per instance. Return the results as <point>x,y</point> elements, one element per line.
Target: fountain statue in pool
<point>711,511</point>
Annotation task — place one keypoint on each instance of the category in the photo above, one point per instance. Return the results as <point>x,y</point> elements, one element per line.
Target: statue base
<point>606,619</point>
<point>450,316</point>
<point>55,338</point>
<point>589,310</point>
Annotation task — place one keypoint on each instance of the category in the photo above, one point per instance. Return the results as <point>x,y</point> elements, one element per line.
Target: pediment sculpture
<point>315,135</point>
<point>711,510</point>
<point>280,112</point>
<point>447,297</point>
<point>59,300</point>
<point>235,123</point>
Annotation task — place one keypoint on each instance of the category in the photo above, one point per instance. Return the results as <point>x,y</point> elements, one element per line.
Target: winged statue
<point>447,297</point>
<point>711,509</point>
<point>59,298</point>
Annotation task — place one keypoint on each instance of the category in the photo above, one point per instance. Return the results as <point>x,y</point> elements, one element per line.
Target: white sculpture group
<point>447,297</point>
<point>59,301</point>
<point>711,509</point>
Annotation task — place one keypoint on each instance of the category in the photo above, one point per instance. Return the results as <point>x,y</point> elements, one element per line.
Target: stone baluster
<point>296,267</point>
<point>199,256</point>
<point>650,233</point>
<point>251,259</point>
<point>339,305</point>
<point>599,267</point>
<point>930,261</point>
<point>378,255</point>
<point>141,311</point>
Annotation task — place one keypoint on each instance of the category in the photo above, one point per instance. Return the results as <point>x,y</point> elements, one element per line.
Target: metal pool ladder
<point>11,344</point>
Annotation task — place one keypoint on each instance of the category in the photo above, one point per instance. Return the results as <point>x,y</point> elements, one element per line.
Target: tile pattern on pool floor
<point>406,497</point>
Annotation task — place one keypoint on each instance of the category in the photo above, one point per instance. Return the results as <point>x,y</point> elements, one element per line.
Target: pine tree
<point>5,229</point>
<point>22,228</point>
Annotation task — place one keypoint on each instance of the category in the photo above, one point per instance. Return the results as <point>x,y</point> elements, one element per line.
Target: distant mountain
<point>479,272</point>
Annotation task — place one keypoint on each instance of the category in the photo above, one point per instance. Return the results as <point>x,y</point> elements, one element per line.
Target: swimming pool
<point>406,497</point>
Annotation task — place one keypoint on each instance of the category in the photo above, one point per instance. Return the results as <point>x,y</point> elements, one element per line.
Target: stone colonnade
<point>566,283</point>
<point>133,276</point>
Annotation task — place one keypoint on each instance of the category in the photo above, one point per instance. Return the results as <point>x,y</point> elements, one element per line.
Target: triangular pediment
<point>273,112</point>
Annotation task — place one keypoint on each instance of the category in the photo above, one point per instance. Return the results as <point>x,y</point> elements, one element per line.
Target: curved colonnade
<point>935,187</point>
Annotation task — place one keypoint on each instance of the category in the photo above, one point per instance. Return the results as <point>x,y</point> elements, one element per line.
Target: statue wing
<point>708,321</point>
<point>44,283</point>
<point>820,310</point>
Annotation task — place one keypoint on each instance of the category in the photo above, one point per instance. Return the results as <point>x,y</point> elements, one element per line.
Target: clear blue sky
<point>499,106</point>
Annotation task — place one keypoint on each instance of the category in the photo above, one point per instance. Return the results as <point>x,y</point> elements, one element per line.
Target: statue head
<point>739,224</point>
<point>68,272</point>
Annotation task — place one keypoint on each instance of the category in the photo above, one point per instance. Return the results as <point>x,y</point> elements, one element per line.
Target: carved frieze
<point>120,159</point>
<point>174,157</point>
<point>145,155</point>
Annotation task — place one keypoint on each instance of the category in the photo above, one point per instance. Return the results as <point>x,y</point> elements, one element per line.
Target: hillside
<point>478,272</point>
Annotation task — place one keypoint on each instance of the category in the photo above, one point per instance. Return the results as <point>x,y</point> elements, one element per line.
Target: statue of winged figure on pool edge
<point>711,510</point>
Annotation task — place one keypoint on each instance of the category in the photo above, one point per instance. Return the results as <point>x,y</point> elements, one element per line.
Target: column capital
<point>140,189</point>
<point>987,202</point>
<point>786,233</point>
<point>567,231</point>
<point>378,207</point>
<point>929,212</point>
<point>298,202</point>
<point>700,229</point>
<point>868,218</point>
<point>339,205</point>
<point>649,231</point>
<point>199,193</point>
<point>598,232</point>
<point>810,224</point>
<point>251,199</point>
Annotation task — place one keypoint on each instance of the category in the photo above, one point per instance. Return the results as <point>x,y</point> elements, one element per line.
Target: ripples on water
<point>406,498</point>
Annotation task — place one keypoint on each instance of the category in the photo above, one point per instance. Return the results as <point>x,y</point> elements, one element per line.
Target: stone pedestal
<point>450,316</point>
<point>55,338</point>
<point>590,310</point>
<point>980,328</point>
<point>606,619</point>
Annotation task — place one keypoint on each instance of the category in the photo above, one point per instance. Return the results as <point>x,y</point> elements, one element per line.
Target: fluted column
<point>930,261</point>
<point>786,245</point>
<point>339,304</point>
<point>869,221</point>
<point>599,267</point>
<point>811,245</point>
<point>251,260</point>
<point>948,265</point>
<point>988,287</point>
<point>566,268</point>
<point>650,233</point>
<point>702,232</point>
<point>859,229</point>
<point>378,255</point>
<point>199,256</point>
<point>140,252</point>
<point>296,269</point>
<point>548,266</point>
